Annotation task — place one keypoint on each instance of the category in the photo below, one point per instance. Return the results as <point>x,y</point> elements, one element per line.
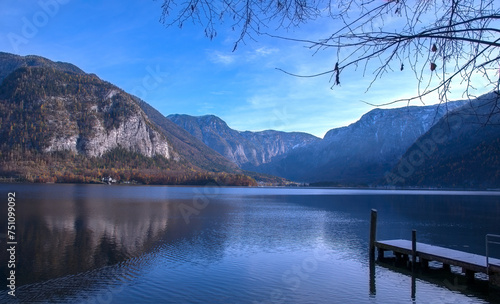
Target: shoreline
<point>375,188</point>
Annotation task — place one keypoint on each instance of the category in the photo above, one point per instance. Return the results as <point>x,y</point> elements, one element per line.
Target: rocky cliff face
<point>50,110</point>
<point>247,149</point>
<point>276,143</point>
<point>133,134</point>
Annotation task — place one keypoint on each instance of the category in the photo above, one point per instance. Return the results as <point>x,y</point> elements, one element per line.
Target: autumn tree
<point>446,43</point>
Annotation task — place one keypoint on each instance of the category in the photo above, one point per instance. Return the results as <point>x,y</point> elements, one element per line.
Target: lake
<point>155,244</point>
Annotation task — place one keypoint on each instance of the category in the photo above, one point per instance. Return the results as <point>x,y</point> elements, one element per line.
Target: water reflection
<point>77,230</point>
<point>458,221</point>
<point>199,244</point>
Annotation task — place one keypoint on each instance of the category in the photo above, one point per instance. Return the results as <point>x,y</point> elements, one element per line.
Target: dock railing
<point>490,239</point>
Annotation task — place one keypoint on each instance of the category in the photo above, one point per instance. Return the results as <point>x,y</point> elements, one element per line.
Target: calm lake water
<point>140,244</point>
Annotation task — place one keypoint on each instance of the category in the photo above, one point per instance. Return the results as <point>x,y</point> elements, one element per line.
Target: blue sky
<point>181,71</point>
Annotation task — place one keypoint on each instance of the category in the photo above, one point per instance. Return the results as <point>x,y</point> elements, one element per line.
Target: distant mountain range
<point>247,149</point>
<point>360,153</point>
<point>58,123</point>
<point>370,151</point>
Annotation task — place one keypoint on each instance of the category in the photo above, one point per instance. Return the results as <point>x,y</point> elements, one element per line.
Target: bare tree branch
<point>449,41</point>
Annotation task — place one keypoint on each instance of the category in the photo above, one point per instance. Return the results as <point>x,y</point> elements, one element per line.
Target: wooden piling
<point>373,288</point>
<point>469,274</point>
<point>447,267</point>
<point>413,248</point>
<point>424,263</point>
<point>373,233</point>
<point>413,286</point>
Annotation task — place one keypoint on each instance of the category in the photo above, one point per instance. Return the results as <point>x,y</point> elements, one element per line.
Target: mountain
<point>58,123</point>
<point>193,149</point>
<point>10,62</point>
<point>51,110</point>
<point>461,150</point>
<point>362,152</point>
<point>247,149</point>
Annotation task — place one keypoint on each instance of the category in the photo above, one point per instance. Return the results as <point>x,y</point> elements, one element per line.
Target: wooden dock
<point>403,249</point>
<point>470,263</point>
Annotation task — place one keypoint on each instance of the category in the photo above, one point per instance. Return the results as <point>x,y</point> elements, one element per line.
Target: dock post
<point>373,288</point>
<point>447,267</point>
<point>494,276</point>
<point>373,233</point>
<point>413,248</point>
<point>469,274</point>
<point>413,287</point>
<point>413,262</point>
<point>424,263</point>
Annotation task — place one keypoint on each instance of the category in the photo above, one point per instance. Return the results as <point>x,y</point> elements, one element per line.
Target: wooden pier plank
<point>467,260</point>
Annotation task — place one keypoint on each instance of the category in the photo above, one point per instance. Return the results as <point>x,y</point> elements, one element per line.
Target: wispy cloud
<point>221,57</point>
<point>264,51</point>
<point>205,108</point>
<point>226,58</point>
<point>264,101</point>
<point>221,93</point>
